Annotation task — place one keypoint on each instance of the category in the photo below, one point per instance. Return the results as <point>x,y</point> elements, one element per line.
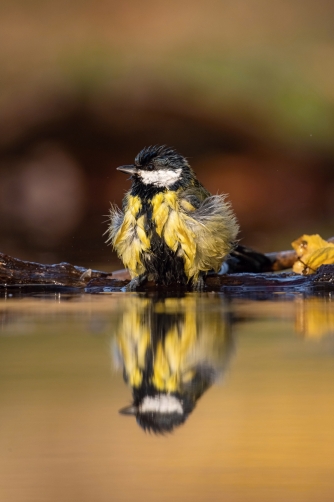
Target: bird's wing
<point>213,227</point>
<point>116,217</point>
<point>127,235</point>
<point>192,197</point>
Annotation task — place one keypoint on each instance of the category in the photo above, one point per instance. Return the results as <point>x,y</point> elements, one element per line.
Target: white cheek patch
<point>160,178</point>
<point>161,404</point>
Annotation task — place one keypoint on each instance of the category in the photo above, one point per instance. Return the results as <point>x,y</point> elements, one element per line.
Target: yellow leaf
<point>308,244</point>
<point>312,252</point>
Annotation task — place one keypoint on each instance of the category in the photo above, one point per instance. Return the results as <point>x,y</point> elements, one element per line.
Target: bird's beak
<point>128,169</point>
<point>129,410</point>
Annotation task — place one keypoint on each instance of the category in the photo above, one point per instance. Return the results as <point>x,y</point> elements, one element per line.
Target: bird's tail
<point>243,259</point>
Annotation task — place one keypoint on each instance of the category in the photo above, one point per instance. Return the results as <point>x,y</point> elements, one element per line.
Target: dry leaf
<point>312,252</point>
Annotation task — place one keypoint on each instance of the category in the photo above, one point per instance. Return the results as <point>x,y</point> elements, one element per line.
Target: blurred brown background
<point>244,89</point>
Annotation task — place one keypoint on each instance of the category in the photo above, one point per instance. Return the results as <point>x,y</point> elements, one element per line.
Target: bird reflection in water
<point>171,351</point>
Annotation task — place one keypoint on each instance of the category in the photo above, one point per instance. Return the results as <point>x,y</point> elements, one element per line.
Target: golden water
<point>263,432</point>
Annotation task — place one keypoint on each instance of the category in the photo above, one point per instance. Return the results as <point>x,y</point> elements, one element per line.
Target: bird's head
<point>160,167</point>
<point>159,413</point>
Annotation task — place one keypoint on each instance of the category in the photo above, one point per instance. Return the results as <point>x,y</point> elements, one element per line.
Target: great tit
<point>171,229</point>
<point>171,351</point>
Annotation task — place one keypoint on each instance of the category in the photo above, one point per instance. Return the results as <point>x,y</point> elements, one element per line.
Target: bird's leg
<point>199,285</point>
<point>136,282</point>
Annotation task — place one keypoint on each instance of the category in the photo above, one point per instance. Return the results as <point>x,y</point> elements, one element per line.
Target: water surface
<point>259,375</point>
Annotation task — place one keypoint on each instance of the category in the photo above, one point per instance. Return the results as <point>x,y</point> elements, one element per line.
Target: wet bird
<point>171,229</point>
<point>171,350</point>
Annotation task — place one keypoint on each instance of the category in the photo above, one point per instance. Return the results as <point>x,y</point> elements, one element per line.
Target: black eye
<point>150,167</point>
